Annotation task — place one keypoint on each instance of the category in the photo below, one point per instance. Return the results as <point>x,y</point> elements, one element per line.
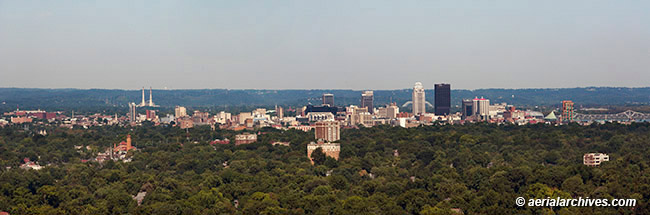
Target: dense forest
<point>90,99</point>
<point>477,168</point>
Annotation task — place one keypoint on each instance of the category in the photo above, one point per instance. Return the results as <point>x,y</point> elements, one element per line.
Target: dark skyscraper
<point>367,98</point>
<point>442,99</point>
<point>328,99</point>
<point>467,108</point>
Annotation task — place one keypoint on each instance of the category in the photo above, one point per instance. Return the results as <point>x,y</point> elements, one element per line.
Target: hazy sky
<point>324,44</point>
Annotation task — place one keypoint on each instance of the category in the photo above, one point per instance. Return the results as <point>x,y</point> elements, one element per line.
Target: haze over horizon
<point>324,45</point>
<point>406,88</point>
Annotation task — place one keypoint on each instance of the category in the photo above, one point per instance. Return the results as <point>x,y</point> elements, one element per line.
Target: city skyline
<point>333,45</point>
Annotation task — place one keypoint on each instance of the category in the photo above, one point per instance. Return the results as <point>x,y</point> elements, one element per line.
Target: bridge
<point>627,115</point>
<point>411,102</point>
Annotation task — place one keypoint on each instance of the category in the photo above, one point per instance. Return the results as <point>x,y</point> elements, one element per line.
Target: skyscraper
<point>132,112</point>
<point>442,99</point>
<point>567,111</point>
<point>180,111</point>
<point>328,99</point>
<point>467,108</point>
<point>279,111</point>
<point>419,106</point>
<point>481,108</point>
<point>367,98</point>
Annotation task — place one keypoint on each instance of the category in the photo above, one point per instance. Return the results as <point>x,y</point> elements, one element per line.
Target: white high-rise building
<point>481,108</point>
<point>180,111</point>
<point>419,101</point>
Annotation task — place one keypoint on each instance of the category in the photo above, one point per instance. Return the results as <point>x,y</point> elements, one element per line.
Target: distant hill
<point>58,99</point>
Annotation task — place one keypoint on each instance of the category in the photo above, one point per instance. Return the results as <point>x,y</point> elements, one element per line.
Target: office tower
<point>329,131</point>
<point>367,98</point>
<point>279,111</point>
<point>392,110</point>
<point>361,116</point>
<point>328,99</point>
<point>467,108</point>
<point>442,99</point>
<point>419,106</point>
<point>567,111</point>
<point>132,112</point>
<point>180,111</point>
<point>481,108</point>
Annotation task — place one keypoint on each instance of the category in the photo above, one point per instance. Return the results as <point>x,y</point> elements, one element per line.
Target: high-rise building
<point>328,99</point>
<point>467,108</point>
<point>391,111</point>
<point>222,117</point>
<point>279,111</point>
<point>132,112</point>
<point>567,111</point>
<point>442,99</point>
<point>180,111</point>
<point>329,131</point>
<point>481,108</point>
<point>359,115</point>
<point>367,99</point>
<point>419,101</point>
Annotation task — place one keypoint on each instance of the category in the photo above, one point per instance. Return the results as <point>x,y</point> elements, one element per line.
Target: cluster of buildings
<point>366,114</point>
<point>326,119</point>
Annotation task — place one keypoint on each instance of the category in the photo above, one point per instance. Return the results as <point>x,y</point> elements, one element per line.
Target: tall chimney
<point>143,104</point>
<point>150,97</point>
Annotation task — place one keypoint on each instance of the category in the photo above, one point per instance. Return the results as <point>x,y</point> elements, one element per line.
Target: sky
<point>324,44</point>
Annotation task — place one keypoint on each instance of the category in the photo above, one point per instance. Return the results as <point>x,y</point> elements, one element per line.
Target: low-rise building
<point>219,141</point>
<point>320,116</point>
<point>329,149</point>
<point>20,120</point>
<point>30,165</point>
<point>124,147</point>
<point>594,159</point>
<point>245,138</point>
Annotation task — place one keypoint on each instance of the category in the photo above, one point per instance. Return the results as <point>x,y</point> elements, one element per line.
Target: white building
<point>594,159</point>
<point>320,116</point>
<point>180,111</point>
<point>222,117</point>
<point>419,101</point>
<point>481,108</point>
